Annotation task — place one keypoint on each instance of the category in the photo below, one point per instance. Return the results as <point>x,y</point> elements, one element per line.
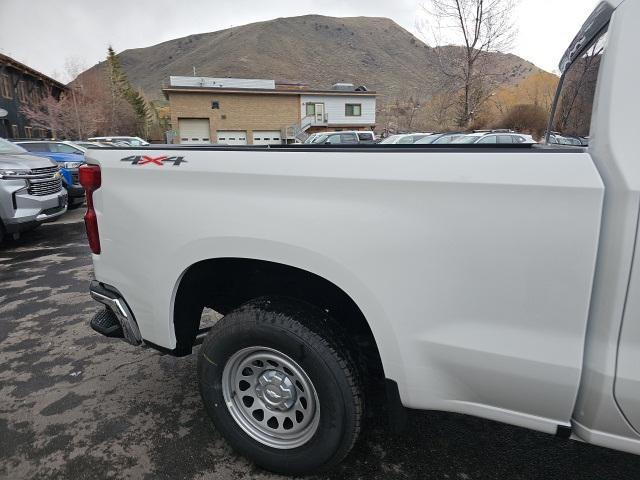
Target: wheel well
<point>225,283</point>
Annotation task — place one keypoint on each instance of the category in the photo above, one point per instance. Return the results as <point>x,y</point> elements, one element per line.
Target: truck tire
<point>279,386</point>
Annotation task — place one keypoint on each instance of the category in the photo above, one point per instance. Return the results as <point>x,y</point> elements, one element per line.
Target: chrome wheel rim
<point>270,397</point>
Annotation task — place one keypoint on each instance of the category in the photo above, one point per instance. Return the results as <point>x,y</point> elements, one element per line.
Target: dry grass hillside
<point>313,49</point>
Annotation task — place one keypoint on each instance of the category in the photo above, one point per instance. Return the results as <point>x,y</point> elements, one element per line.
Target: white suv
<point>502,138</point>
<point>133,141</point>
<point>347,137</point>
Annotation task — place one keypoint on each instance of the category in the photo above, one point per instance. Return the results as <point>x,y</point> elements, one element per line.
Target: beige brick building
<point>259,112</point>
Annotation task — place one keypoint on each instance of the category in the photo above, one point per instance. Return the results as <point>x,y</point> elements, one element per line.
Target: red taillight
<point>91,179</point>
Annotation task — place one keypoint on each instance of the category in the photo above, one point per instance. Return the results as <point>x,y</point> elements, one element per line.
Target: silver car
<point>30,190</point>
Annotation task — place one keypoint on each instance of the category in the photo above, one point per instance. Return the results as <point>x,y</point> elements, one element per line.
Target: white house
<point>330,111</point>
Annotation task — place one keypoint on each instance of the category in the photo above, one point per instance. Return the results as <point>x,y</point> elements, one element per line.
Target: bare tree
<point>439,110</point>
<point>46,115</point>
<point>73,115</point>
<point>481,26</point>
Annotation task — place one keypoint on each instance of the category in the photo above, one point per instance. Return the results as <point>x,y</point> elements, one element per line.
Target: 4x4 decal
<point>144,159</point>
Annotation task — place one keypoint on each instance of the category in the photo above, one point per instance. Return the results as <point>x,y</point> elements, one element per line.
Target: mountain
<point>312,49</point>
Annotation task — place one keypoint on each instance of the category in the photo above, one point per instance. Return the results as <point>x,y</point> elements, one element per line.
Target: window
<point>215,105</point>
<point>34,97</point>
<point>10,148</point>
<point>333,139</point>
<point>22,91</point>
<point>64,148</point>
<point>450,138</point>
<point>489,139</point>
<point>40,93</point>
<point>28,132</point>
<point>5,87</point>
<point>408,139</point>
<point>353,110</point>
<point>36,147</point>
<point>571,119</point>
<point>368,137</point>
<point>505,139</point>
<point>311,109</point>
<point>348,138</point>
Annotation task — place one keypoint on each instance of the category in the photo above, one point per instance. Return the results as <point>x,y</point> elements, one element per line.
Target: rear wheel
<point>279,387</point>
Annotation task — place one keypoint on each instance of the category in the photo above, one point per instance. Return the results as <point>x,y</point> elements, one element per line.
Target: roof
<point>221,82</point>
<point>480,134</point>
<point>265,91</point>
<point>30,71</point>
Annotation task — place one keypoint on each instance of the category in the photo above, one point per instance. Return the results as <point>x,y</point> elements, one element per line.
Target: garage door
<point>267,137</point>
<point>232,137</point>
<point>194,130</point>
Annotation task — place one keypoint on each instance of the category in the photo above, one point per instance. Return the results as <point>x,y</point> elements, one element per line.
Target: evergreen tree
<point>122,89</point>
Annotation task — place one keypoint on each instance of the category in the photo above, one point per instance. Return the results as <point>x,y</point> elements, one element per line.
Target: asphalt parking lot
<point>75,405</point>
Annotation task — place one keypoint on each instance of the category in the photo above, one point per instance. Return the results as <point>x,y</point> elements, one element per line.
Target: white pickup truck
<point>496,281</point>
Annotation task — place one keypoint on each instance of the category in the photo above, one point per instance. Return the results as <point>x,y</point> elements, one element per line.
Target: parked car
<point>348,137</point>
<point>404,138</point>
<point>112,144</point>
<point>85,145</point>
<point>312,138</point>
<point>440,138</point>
<point>503,285</point>
<point>558,139</point>
<point>509,138</point>
<point>69,158</point>
<point>130,141</point>
<point>31,190</point>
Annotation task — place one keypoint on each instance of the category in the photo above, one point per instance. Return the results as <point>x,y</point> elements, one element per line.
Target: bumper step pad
<point>106,323</point>
<point>117,321</point>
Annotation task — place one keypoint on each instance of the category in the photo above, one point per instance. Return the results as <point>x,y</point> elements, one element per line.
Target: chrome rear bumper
<point>112,299</point>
